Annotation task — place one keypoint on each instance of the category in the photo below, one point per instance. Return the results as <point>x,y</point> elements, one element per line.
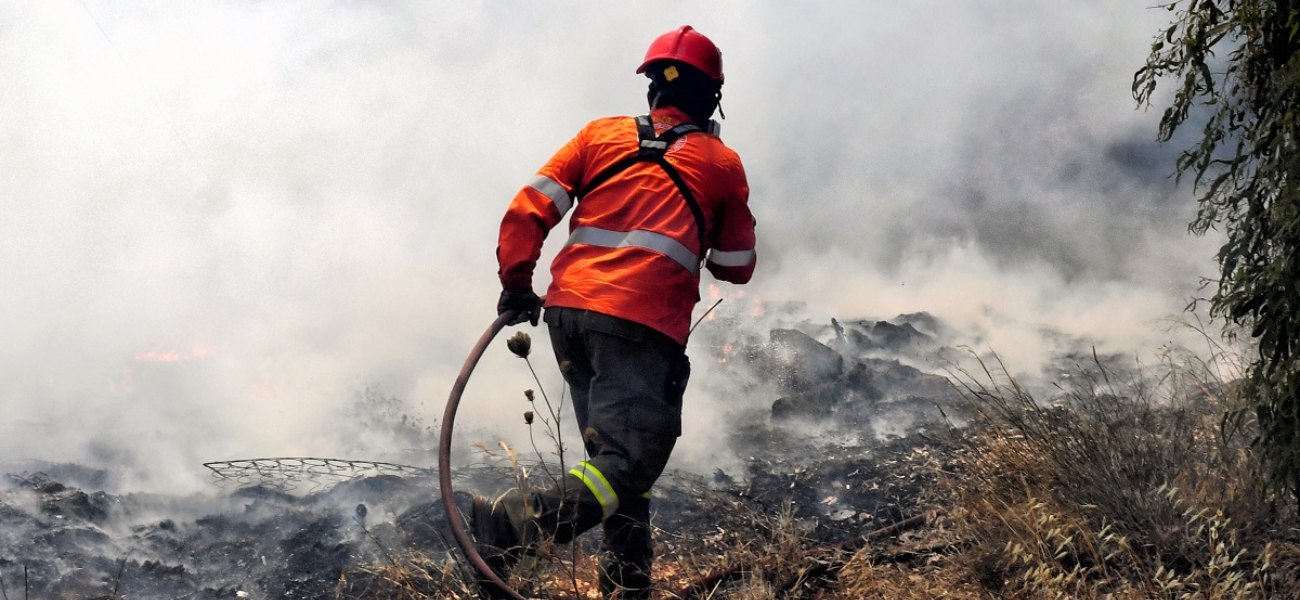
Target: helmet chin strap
<point>718,97</point>
<point>654,94</point>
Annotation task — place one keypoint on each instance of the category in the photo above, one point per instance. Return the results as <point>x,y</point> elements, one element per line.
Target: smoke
<point>221,223</point>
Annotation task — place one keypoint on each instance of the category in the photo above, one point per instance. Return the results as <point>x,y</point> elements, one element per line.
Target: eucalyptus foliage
<point>1235,64</point>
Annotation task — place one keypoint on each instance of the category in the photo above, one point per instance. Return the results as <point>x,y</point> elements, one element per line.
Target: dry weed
<point>1110,492</point>
<point>938,577</point>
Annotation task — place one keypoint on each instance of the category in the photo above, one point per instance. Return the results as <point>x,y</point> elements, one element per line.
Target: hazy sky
<point>221,220</point>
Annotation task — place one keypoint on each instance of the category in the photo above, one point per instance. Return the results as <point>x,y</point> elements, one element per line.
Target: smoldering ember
<point>850,430</point>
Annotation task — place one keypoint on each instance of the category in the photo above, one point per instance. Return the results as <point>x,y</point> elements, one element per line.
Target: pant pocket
<point>665,417</point>
<point>663,420</point>
<point>678,376</point>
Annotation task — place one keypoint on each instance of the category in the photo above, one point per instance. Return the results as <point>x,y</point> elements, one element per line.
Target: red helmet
<point>687,45</point>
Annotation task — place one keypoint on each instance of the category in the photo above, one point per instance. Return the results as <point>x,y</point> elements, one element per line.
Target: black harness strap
<point>652,149</point>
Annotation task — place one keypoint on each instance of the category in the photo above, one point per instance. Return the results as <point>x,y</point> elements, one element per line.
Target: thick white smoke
<point>221,222</point>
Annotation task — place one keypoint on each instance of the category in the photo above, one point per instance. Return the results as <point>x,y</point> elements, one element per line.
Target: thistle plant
<point>521,344</point>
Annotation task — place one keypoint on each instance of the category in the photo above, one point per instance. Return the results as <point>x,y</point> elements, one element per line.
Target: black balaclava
<point>685,87</point>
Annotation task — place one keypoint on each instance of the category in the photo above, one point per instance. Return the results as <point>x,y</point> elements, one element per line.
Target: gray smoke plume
<point>221,223</point>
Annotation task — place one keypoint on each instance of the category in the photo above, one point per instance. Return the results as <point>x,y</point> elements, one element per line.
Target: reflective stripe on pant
<point>598,485</point>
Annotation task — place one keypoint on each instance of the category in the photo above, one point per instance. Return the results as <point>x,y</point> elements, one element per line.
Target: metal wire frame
<point>303,473</point>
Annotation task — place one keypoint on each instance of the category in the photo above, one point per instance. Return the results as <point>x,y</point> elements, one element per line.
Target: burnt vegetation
<point>1110,479</point>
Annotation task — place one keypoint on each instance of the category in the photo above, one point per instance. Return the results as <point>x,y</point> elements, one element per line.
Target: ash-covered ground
<point>843,441</point>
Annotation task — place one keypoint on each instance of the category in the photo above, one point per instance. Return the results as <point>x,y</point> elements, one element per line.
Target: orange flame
<point>198,352</point>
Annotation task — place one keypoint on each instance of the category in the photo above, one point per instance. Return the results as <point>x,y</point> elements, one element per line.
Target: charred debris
<point>856,411</point>
<point>842,436</point>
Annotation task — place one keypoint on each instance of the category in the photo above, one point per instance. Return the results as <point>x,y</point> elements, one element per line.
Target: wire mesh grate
<point>303,474</point>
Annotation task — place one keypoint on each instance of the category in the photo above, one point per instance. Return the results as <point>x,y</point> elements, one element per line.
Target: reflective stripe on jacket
<point>633,250</point>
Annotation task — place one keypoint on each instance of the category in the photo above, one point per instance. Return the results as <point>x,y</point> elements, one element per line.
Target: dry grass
<point>1119,487</point>
<point>938,577</point>
<point>410,577</point>
<point>1114,492</point>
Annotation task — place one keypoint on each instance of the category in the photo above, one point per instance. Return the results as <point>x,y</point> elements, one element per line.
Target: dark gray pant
<point>626,382</point>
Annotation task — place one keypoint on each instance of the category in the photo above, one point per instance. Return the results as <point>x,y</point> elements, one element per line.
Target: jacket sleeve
<point>537,208</point>
<point>732,257</point>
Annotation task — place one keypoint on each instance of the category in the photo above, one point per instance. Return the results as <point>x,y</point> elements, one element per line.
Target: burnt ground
<point>814,456</point>
<point>61,541</point>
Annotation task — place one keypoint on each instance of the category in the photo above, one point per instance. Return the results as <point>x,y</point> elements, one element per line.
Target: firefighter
<point>651,200</point>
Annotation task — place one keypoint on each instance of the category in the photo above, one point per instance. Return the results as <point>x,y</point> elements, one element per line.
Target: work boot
<point>495,538</point>
<point>627,552</point>
<point>515,523</point>
<point>558,513</point>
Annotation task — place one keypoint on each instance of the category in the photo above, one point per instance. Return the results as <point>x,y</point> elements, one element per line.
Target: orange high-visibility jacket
<point>634,249</point>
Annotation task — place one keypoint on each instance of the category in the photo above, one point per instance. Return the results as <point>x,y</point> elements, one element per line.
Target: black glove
<point>527,303</point>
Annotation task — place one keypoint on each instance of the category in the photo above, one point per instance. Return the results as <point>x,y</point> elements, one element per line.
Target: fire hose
<point>495,586</point>
<point>490,580</point>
